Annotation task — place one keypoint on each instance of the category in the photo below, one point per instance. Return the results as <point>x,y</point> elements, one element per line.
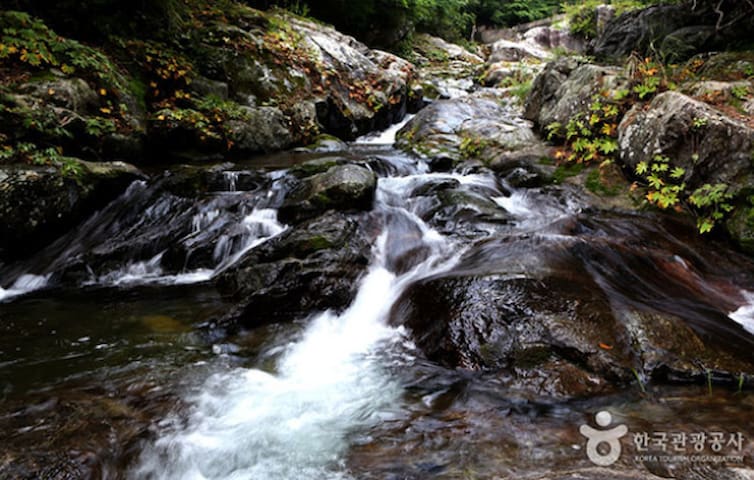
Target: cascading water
<point>230,221</point>
<point>333,382</point>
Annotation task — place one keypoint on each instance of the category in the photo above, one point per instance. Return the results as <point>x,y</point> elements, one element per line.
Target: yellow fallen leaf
<point>102,92</point>
<point>105,110</point>
<point>51,91</point>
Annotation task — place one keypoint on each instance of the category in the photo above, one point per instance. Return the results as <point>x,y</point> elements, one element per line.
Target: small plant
<point>713,202</point>
<point>591,137</point>
<point>472,147</point>
<point>699,122</point>
<point>98,126</point>
<point>665,189</point>
<point>638,380</point>
<point>665,186</point>
<point>740,92</point>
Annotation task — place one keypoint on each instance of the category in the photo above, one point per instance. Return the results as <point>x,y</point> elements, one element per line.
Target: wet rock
<point>464,127</point>
<point>343,187</point>
<point>319,165</point>
<point>486,317</point>
<point>38,204</point>
<point>536,307</point>
<point>313,266</point>
<point>324,144</point>
<point>565,88</point>
<point>528,167</point>
<point>712,147</point>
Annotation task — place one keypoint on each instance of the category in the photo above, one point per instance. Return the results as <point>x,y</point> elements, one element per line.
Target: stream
<point>113,363</point>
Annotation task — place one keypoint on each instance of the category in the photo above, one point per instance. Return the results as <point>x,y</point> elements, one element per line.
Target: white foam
<point>745,313</point>
<point>24,284</point>
<point>294,423</point>
<point>385,137</point>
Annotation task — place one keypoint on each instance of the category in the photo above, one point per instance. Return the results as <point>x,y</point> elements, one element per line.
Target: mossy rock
<point>740,226</point>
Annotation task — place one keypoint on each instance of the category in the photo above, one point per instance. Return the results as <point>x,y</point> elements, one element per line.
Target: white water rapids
<point>334,382</point>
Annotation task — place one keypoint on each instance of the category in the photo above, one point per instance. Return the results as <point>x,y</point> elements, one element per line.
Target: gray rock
<point>73,94</point>
<point>712,147</point>
<point>440,129</point>
<point>565,88</point>
<point>263,130</point>
<point>637,30</point>
<point>207,87</point>
<point>510,51</point>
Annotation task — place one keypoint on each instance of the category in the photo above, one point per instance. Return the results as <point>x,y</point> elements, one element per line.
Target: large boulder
<point>292,61</point>
<point>565,88</point>
<point>711,146</point>
<point>561,308</point>
<point>639,29</point>
<point>341,187</point>
<point>464,127</point>
<point>38,204</point>
<point>676,32</point>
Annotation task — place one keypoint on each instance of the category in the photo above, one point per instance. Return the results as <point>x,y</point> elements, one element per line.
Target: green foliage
<point>590,137</point>
<point>99,126</point>
<point>713,201</point>
<point>208,117</point>
<point>665,184</point>
<point>740,92</point>
<point>521,90</point>
<point>666,189</point>
<point>513,12</point>
<point>582,15</point>
<point>26,41</point>
<point>472,147</point>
